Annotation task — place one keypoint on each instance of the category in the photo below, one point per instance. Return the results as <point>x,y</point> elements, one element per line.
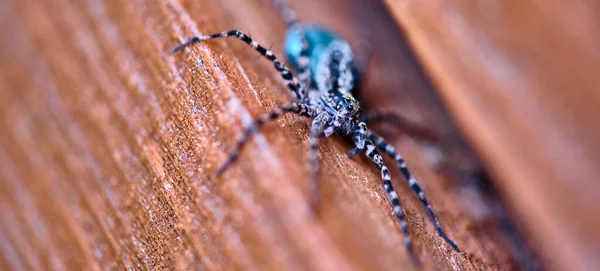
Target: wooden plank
<point>520,78</point>
<point>110,146</point>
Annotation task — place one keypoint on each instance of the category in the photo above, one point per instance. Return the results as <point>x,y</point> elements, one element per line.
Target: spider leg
<point>291,81</point>
<point>302,61</point>
<point>316,130</point>
<point>412,182</point>
<point>359,139</point>
<point>373,154</point>
<point>298,108</point>
<point>411,128</point>
<point>445,147</point>
<point>304,74</point>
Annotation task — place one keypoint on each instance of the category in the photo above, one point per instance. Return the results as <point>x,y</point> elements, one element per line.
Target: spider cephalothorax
<point>324,91</point>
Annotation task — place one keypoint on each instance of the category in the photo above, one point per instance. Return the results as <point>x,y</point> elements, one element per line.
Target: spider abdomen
<point>317,39</point>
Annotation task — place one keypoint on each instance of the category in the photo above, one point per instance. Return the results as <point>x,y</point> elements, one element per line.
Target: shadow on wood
<point>520,78</point>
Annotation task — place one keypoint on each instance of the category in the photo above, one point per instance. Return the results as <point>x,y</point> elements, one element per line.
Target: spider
<point>323,91</point>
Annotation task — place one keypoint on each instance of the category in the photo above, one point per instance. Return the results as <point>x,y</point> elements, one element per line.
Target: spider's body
<point>323,91</point>
<point>332,74</point>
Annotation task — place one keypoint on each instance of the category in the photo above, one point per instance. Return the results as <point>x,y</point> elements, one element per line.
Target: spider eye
<point>351,108</point>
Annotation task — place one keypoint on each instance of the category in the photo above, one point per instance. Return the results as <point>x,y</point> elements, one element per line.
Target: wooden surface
<point>110,143</point>
<point>521,79</point>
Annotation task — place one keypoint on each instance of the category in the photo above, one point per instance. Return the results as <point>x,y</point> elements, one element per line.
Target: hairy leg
<point>292,82</point>
<point>373,154</point>
<point>412,182</point>
<point>298,108</point>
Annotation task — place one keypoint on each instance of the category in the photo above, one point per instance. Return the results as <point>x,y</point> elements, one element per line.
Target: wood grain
<point>110,144</point>
<point>521,79</point>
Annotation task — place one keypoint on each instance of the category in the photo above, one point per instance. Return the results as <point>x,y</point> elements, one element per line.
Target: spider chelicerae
<point>324,92</point>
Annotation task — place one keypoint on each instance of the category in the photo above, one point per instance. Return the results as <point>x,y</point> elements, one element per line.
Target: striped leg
<point>298,108</point>
<point>316,130</point>
<point>389,149</point>
<point>303,69</point>
<point>411,128</point>
<point>359,138</point>
<point>374,155</point>
<point>290,18</point>
<point>291,81</point>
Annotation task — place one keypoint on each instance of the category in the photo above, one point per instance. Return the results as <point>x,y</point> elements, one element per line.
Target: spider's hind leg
<point>298,108</point>
<point>297,49</point>
<point>412,182</point>
<point>302,66</point>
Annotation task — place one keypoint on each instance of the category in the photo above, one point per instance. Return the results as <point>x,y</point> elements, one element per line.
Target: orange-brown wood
<point>521,79</point>
<point>110,144</point>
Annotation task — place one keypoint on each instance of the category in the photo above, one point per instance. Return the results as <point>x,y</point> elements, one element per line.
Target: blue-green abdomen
<point>318,39</point>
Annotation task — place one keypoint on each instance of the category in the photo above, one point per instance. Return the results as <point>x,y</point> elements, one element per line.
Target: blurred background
<point>109,142</point>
